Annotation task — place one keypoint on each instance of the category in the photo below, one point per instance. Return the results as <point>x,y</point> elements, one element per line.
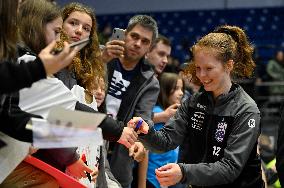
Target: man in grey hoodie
<point>132,89</point>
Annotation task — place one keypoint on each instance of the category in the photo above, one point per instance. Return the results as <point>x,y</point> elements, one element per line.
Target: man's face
<point>158,56</point>
<point>137,42</point>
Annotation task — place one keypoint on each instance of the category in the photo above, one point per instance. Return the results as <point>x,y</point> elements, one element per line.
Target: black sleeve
<point>14,77</point>
<point>111,128</point>
<point>280,149</point>
<point>13,123</point>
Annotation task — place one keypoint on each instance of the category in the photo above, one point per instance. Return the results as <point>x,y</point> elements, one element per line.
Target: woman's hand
<point>134,121</point>
<point>169,174</point>
<point>55,62</point>
<point>137,151</point>
<point>128,137</point>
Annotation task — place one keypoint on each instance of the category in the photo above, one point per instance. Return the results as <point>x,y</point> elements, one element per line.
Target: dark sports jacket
<point>222,139</point>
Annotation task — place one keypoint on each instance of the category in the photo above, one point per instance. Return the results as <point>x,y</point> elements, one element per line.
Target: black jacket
<point>222,137</point>
<point>13,77</point>
<point>138,100</point>
<point>13,120</point>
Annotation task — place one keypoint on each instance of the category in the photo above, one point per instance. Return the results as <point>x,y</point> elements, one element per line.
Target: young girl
<point>79,22</point>
<point>221,120</point>
<point>171,92</point>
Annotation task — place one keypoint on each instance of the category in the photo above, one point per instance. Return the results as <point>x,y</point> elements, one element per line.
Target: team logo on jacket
<point>251,123</point>
<point>197,120</point>
<point>220,131</point>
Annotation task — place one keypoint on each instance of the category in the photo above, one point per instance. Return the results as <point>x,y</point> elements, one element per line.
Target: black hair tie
<point>233,34</point>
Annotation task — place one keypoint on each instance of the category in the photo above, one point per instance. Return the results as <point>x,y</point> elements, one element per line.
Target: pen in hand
<point>138,125</point>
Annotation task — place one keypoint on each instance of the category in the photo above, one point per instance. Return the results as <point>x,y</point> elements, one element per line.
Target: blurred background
<point>183,21</point>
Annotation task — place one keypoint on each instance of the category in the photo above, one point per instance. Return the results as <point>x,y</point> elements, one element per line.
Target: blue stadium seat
<point>264,26</point>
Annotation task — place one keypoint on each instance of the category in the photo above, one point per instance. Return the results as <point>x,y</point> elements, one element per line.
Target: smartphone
<point>81,44</point>
<point>118,34</point>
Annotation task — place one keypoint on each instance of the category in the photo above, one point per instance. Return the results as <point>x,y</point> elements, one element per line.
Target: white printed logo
<point>197,119</point>
<point>251,123</point>
<point>201,106</point>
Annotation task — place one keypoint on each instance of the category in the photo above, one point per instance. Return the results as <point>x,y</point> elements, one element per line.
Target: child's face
<point>99,92</point>
<point>177,94</point>
<point>100,95</point>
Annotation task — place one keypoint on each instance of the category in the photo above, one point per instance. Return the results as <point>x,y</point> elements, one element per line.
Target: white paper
<point>75,118</point>
<point>11,155</point>
<point>48,135</point>
<point>67,128</point>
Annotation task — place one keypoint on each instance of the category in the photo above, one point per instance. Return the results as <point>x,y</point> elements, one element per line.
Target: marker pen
<point>138,125</point>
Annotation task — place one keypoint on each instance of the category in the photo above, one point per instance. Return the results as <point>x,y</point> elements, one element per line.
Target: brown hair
<point>8,31</point>
<point>146,22</point>
<point>35,14</point>
<point>168,83</point>
<point>88,62</point>
<point>229,43</point>
<point>161,38</point>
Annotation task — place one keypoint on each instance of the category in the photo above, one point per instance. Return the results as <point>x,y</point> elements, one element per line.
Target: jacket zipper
<point>206,139</point>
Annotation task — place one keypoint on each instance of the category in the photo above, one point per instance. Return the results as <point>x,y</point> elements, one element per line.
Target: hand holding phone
<point>81,44</point>
<point>118,34</point>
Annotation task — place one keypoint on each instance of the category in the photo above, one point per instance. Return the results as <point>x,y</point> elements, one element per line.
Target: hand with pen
<point>130,133</point>
<point>139,125</point>
<point>138,151</point>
